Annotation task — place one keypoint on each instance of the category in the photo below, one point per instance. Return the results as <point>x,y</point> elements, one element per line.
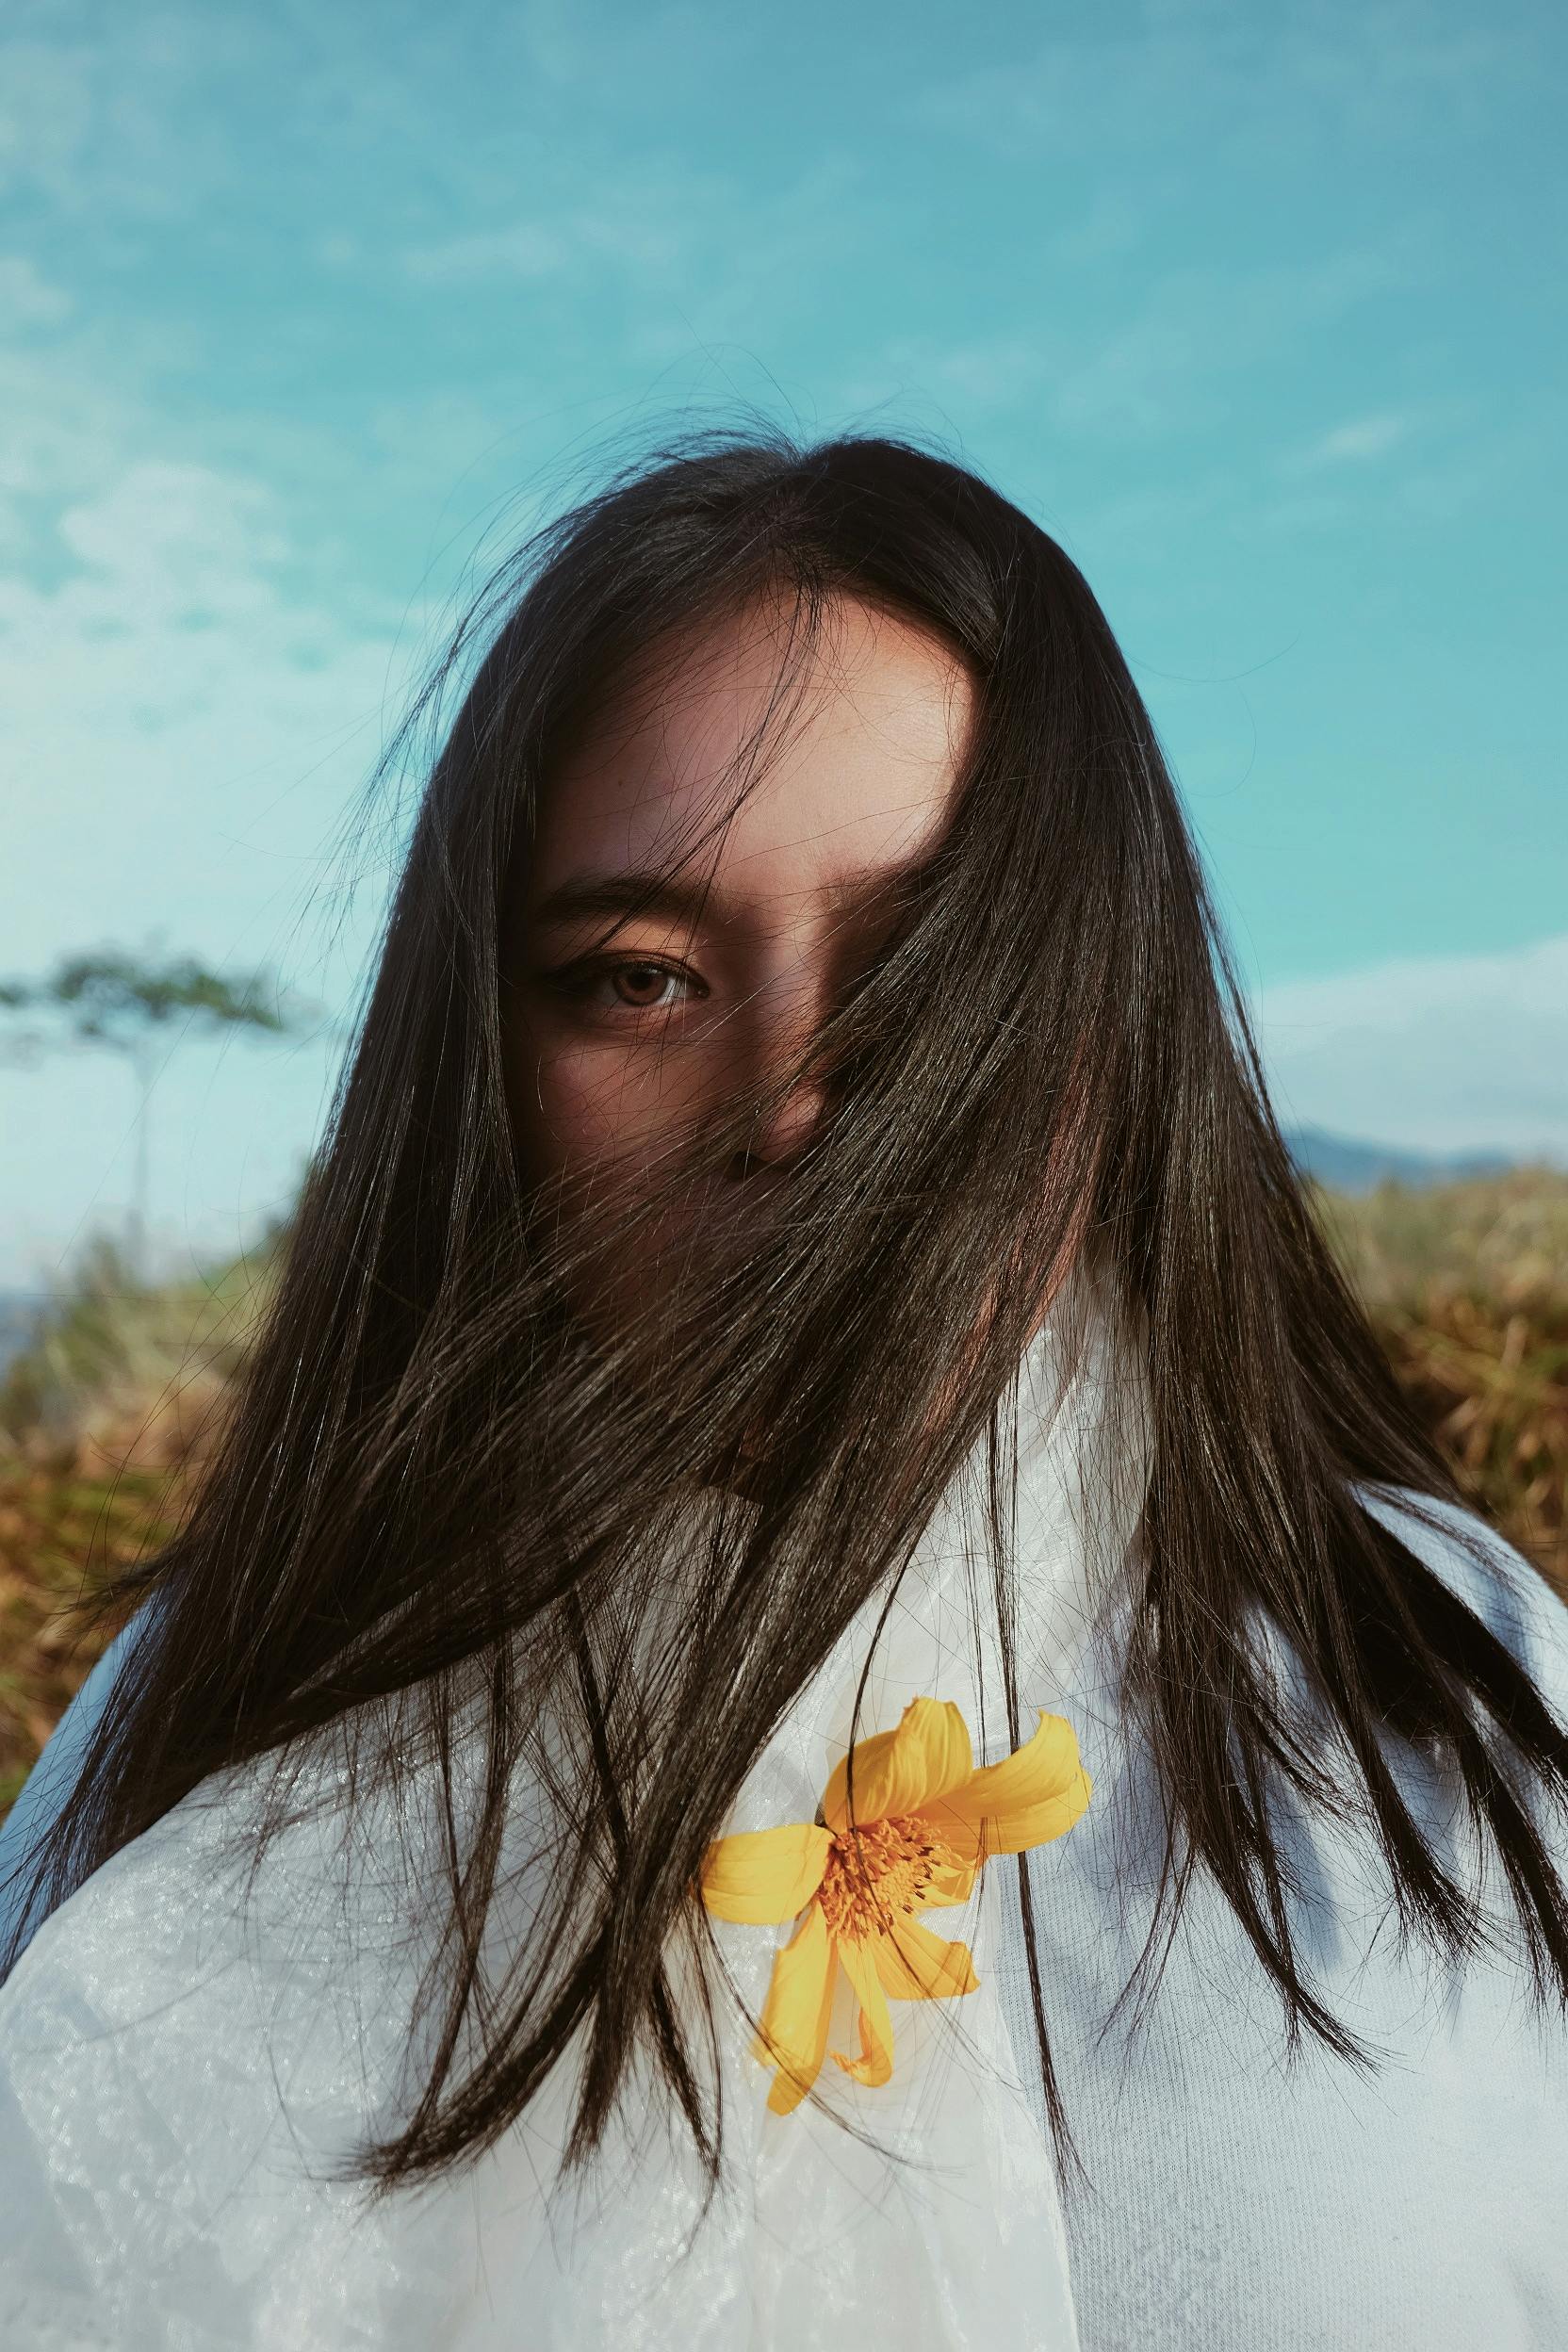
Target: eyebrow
<point>640,891</point>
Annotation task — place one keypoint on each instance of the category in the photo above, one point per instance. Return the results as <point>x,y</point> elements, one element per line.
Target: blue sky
<point>304,311</point>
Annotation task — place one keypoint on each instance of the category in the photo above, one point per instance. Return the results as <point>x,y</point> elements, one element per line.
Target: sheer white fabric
<point>183,2064</point>
<point>1237,2196</point>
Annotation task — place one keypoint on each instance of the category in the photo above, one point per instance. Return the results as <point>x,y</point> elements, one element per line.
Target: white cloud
<point>86,114</point>
<point>1440,1053</point>
<point>1173,358</point>
<point>46,113</point>
<point>26,296</point>
<point>1247,81</point>
<point>525,249</point>
<point>1445,458</point>
<point>1362,438</point>
<point>642,222</point>
<point>183,732</point>
<point>166,697</point>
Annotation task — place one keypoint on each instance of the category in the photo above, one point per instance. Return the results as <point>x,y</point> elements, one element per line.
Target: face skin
<point>624,1026</point>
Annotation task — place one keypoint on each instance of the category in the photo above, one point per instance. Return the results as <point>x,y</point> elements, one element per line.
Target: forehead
<point>843,752</point>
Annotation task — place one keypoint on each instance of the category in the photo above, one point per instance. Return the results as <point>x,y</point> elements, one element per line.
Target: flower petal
<point>875,2062</point>
<point>761,1877</point>
<point>795,2015</point>
<point>949,1883</point>
<point>1032,1796</point>
<point>900,1772</point>
<point>914,1965</point>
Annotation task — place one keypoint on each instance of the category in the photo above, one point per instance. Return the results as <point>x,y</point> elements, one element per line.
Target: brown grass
<point>63,1522</point>
<point>1468,1287</point>
<point>103,1425</point>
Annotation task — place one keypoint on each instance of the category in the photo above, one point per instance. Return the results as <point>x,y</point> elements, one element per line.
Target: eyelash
<point>576,981</point>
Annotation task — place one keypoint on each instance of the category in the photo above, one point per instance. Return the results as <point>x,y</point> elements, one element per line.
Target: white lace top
<point>1233,2202</point>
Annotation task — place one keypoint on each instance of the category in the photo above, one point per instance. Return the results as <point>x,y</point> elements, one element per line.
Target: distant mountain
<point>1354,1166</point>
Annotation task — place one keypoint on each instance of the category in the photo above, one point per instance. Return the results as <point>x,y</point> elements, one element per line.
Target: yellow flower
<point>924,1823</point>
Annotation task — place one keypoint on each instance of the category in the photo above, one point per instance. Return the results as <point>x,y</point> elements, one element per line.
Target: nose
<point>783,1019</point>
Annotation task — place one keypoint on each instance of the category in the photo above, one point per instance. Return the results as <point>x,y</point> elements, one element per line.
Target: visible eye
<point>627,984</point>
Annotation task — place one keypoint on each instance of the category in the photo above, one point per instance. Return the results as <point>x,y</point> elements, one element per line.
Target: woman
<point>803,1262</point>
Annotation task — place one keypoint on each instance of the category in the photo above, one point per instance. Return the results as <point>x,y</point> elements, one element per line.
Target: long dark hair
<point>438,1486</point>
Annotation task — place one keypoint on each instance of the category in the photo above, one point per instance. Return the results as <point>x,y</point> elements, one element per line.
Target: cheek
<point>591,1120</point>
<point>584,1104</point>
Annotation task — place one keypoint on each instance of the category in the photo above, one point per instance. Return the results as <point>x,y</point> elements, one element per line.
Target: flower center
<point>879,1869</point>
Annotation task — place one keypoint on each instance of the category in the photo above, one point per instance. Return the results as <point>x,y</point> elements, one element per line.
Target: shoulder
<point>48,1786</point>
<point>1512,1599</point>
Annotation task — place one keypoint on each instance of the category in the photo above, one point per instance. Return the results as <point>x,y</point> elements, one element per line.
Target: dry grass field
<point>1468,1287</point>
<point>102,1428</point>
<point>102,1423</point>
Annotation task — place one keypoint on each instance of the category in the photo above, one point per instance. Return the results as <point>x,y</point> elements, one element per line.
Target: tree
<point>129,1004</point>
